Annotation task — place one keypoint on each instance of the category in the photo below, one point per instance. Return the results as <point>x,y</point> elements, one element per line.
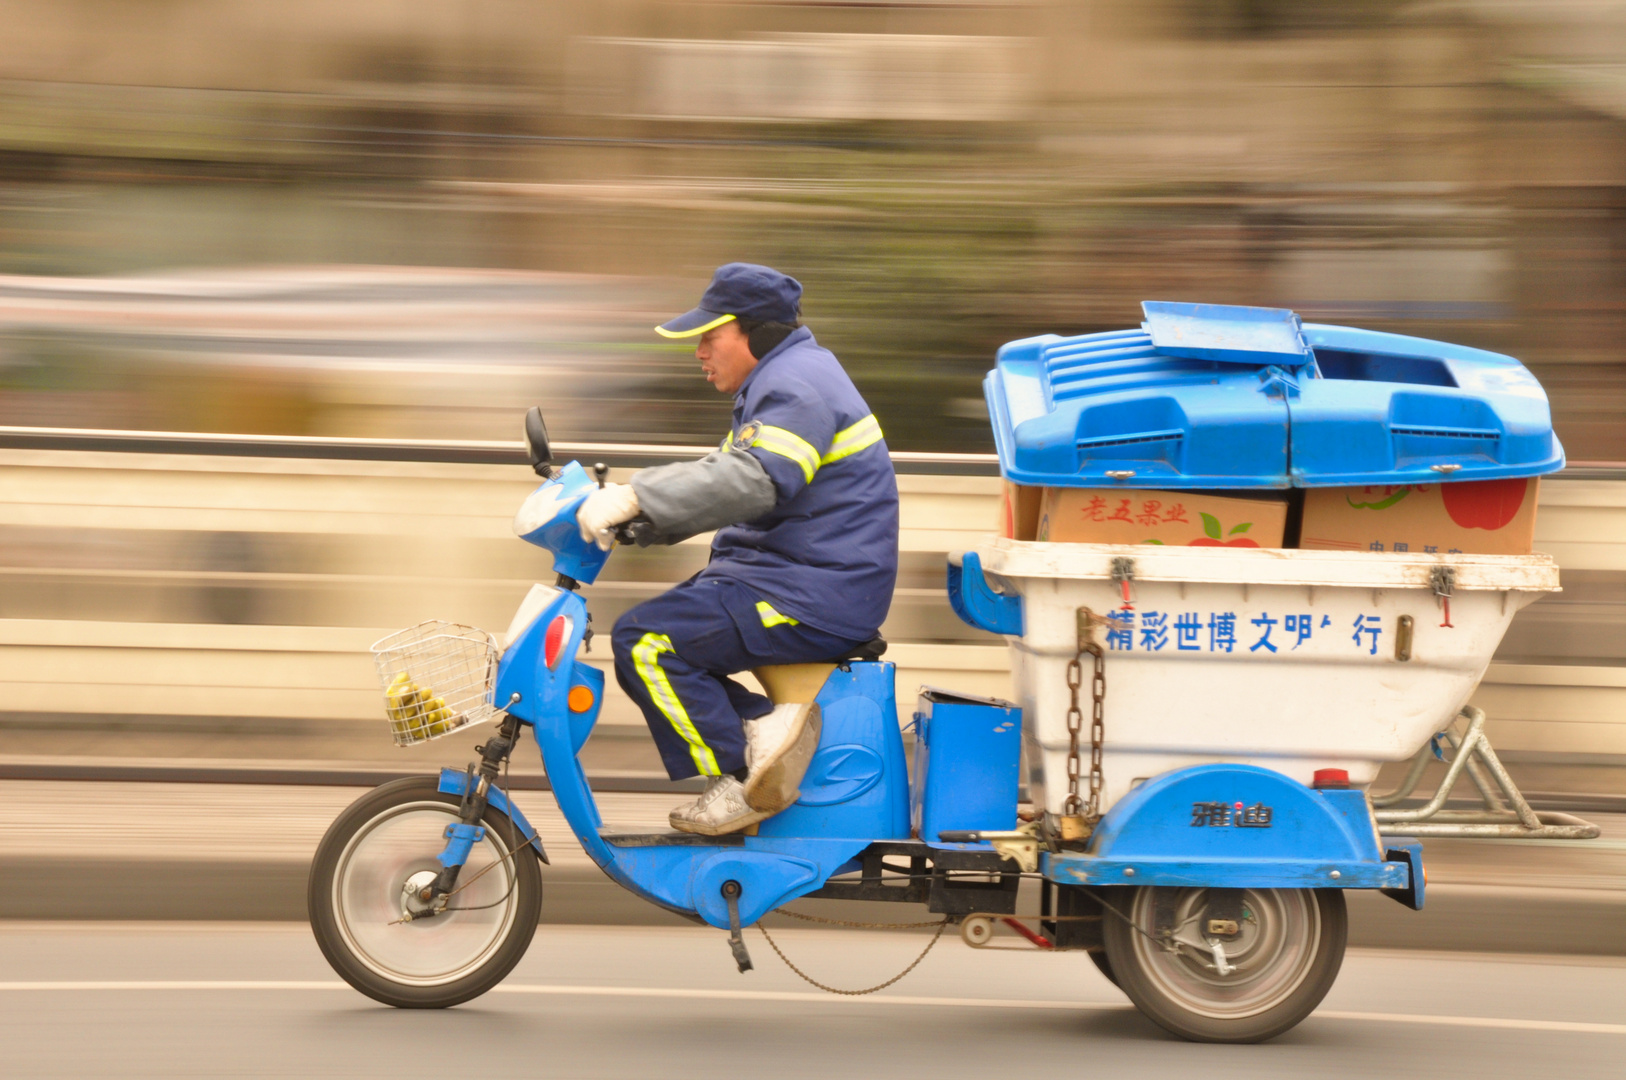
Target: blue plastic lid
<point>1209,396</point>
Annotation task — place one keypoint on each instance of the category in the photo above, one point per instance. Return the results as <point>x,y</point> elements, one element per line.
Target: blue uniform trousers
<point>674,655</point>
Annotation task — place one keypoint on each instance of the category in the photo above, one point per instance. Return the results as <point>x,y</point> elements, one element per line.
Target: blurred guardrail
<point>189,596</point>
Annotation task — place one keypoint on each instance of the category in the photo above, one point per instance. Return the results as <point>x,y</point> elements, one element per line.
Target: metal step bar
<point>1505,813</point>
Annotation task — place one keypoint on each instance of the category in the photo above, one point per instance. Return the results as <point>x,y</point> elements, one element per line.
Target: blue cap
<point>739,290</point>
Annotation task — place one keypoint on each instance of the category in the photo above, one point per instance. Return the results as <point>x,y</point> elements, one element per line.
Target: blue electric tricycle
<point>426,891</point>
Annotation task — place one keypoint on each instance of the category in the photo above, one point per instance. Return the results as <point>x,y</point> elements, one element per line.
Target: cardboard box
<point>1178,518</point>
<point>1486,517</point>
<point>1019,510</point>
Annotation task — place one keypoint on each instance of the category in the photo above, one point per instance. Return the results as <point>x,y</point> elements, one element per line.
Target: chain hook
<point>1123,572</point>
<point>1443,579</point>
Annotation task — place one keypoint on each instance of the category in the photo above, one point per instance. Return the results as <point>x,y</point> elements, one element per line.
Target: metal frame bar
<point>1505,813</point>
<point>949,881</point>
<point>470,451</point>
<point>453,451</point>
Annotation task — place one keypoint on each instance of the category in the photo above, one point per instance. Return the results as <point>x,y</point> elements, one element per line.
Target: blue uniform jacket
<point>827,554</point>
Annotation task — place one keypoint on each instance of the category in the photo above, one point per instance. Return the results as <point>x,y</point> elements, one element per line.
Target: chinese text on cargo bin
<point>1224,631</point>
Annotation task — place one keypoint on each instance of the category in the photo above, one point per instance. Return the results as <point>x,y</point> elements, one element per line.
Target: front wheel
<point>1267,974</point>
<point>364,884</point>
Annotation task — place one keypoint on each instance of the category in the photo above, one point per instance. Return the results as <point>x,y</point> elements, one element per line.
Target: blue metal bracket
<point>1410,851</point>
<point>453,782</point>
<point>1275,382</point>
<point>460,840</point>
<point>979,605</point>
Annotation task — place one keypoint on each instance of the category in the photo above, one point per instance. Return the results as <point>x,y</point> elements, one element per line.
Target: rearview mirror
<point>536,443</point>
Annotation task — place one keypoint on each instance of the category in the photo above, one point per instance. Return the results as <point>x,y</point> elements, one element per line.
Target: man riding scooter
<point>805,502</point>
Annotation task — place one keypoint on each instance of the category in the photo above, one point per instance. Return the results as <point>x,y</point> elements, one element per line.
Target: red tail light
<point>553,642</point>
<point>1330,778</point>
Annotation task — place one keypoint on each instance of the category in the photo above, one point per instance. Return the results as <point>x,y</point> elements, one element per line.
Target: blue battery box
<point>967,773</point>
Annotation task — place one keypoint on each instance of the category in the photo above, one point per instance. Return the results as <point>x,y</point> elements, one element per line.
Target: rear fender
<point>1235,826</point>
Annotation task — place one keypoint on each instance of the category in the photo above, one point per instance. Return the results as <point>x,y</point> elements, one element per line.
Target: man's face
<point>725,357</point>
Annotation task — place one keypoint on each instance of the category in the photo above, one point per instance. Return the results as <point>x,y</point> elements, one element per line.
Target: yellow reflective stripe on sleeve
<point>770,617</point>
<point>646,658</point>
<point>848,441</point>
<point>728,440</point>
<point>714,324</point>
<point>788,444</point>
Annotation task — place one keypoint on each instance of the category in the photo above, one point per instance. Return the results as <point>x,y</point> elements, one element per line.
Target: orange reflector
<point>580,699</point>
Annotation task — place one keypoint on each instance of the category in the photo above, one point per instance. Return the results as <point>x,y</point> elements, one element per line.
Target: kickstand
<point>731,893</point>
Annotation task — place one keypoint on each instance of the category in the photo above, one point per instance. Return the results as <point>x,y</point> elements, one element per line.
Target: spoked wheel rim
<point>397,848</point>
<point>1272,955</point>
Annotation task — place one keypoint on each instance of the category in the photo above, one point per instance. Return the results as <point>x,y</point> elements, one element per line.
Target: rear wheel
<point>1261,981</point>
<point>365,881</point>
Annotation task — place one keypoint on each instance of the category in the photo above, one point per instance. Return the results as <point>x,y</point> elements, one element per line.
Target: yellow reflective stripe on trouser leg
<point>788,444</point>
<point>848,441</point>
<point>770,617</point>
<point>646,657</point>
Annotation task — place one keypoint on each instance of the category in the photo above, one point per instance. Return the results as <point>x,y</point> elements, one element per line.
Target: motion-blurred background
<point>411,221</point>
<point>375,218</point>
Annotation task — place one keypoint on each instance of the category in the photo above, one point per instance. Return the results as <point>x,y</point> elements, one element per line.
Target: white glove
<point>609,506</point>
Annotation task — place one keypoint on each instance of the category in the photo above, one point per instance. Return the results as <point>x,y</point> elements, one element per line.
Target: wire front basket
<point>437,678</point>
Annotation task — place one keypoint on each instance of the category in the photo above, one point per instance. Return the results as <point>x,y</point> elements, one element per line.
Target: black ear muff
<point>767,337</point>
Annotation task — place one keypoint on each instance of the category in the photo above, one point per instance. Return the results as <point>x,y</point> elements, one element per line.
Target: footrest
<point>669,839</point>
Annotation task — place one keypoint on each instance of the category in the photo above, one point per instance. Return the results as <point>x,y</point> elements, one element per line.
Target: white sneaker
<point>720,809</point>
<point>778,748</point>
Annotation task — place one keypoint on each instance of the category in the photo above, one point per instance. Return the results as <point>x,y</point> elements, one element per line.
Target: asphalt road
<point>101,850</point>
<point>217,1000</point>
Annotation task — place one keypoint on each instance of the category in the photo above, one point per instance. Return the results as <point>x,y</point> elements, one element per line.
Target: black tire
<point>1103,965</point>
<point>1285,959</point>
<point>355,897</point>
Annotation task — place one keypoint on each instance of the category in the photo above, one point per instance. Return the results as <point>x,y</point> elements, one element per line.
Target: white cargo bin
<point>1208,670</point>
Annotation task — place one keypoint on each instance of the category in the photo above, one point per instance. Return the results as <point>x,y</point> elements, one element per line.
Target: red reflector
<point>1331,778</point>
<point>553,642</point>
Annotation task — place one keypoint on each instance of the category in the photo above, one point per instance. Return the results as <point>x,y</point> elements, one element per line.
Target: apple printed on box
<point>1485,504</point>
<point>1215,538</point>
<point>1485,517</point>
<point>1481,504</point>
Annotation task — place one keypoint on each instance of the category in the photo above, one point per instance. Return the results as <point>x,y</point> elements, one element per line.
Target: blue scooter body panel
<point>564,493</point>
<point>771,870</point>
<point>857,784</point>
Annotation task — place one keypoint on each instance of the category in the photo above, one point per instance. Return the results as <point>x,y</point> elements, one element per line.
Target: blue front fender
<point>453,782</point>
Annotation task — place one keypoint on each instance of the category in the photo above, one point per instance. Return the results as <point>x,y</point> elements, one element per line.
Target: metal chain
<point>1098,728</point>
<point>1073,805</point>
<point>941,926</point>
